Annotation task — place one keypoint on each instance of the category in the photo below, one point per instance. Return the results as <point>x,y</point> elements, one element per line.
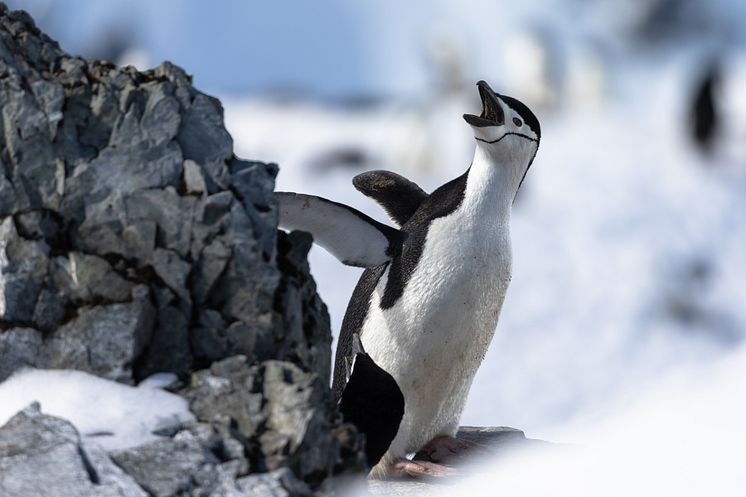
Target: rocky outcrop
<point>43,455</point>
<point>133,241</point>
<point>124,207</point>
<point>276,406</point>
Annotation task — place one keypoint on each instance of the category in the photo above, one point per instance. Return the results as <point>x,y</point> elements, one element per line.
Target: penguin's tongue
<point>492,113</point>
<point>491,108</point>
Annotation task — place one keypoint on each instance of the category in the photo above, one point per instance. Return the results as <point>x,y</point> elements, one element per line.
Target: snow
<point>107,413</point>
<point>684,437</point>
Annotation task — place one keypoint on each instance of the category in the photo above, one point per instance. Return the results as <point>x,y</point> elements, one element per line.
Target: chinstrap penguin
<point>426,306</point>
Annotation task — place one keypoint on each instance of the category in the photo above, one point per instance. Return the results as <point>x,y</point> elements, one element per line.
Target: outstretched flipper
<point>396,194</point>
<point>372,401</point>
<point>346,233</point>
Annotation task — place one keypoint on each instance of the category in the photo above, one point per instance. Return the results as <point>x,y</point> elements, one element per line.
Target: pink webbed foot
<point>421,469</point>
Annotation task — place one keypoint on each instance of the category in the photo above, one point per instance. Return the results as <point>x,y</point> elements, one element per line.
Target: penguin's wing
<point>396,194</point>
<point>372,401</point>
<point>346,233</point>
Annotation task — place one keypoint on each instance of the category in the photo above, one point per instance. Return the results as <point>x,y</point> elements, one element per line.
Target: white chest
<point>451,302</point>
<point>436,335</point>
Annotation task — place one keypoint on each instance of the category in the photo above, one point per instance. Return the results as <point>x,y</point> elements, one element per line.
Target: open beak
<point>492,113</point>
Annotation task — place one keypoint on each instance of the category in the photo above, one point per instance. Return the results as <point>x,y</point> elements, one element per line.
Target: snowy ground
<point>110,414</point>
<point>683,438</point>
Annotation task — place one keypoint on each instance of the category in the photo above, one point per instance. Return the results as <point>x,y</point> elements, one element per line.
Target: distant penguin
<point>426,306</point>
<point>704,112</point>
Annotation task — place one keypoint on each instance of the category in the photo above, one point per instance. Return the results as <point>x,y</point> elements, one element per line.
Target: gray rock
<point>210,341</point>
<point>253,182</point>
<point>173,270</point>
<point>215,208</point>
<point>220,438</point>
<point>204,139</point>
<point>83,279</point>
<point>39,224</point>
<point>49,310</point>
<point>171,467</point>
<point>138,238</point>
<point>212,262</point>
<point>51,98</point>
<point>494,437</point>
<point>23,270</point>
<point>105,339</point>
<point>18,293</point>
<point>277,407</point>
<point>19,347</point>
<point>161,118</point>
<point>303,308</point>
<point>169,349</point>
<point>8,199</point>
<point>111,476</point>
<point>194,180</point>
<point>43,455</point>
<point>493,440</point>
<point>171,213</point>
<point>227,389</point>
<point>101,230</point>
<point>278,483</point>
<point>125,169</point>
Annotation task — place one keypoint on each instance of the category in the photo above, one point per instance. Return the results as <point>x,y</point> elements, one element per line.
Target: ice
<point>108,413</point>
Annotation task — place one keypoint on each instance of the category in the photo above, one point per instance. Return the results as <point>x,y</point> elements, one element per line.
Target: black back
<point>352,323</point>
<point>441,203</point>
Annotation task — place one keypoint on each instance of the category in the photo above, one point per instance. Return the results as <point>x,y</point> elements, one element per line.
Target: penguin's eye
<point>517,122</point>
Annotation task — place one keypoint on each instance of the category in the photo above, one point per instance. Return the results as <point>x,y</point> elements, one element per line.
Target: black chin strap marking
<point>529,162</point>
<point>508,134</point>
<point>525,173</point>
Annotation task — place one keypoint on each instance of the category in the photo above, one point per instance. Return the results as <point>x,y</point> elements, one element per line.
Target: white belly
<point>436,335</point>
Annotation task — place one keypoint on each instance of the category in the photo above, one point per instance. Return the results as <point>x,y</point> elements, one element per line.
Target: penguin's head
<point>506,128</point>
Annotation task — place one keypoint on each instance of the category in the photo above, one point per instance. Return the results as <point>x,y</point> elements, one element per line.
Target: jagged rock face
<point>43,455</point>
<point>132,240</point>
<point>275,406</point>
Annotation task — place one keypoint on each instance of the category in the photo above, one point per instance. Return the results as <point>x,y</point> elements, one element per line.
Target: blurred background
<point>629,233</point>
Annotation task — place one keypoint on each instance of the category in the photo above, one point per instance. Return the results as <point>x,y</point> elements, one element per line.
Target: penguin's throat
<point>494,180</point>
